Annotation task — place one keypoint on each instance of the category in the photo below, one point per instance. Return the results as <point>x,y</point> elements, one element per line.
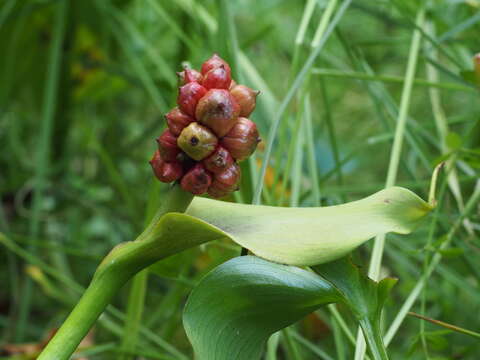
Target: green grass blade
<point>390,79</point>
<point>6,10</point>
<point>407,305</point>
<point>377,253</point>
<point>447,325</point>
<point>312,161</point>
<point>42,155</point>
<point>293,89</point>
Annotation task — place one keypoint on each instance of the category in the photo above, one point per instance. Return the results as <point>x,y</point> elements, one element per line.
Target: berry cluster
<point>208,133</point>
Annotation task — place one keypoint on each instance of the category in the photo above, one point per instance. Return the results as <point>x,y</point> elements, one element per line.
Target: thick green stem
<point>136,300</point>
<point>95,299</point>
<point>373,337</point>
<point>117,268</point>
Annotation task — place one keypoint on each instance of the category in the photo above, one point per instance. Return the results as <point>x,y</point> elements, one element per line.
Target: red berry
<point>218,110</point>
<point>167,146</point>
<point>197,180</point>
<point>225,182</point>
<point>215,62</point>
<point>197,141</point>
<point>177,121</point>
<point>216,194</point>
<point>217,78</point>
<point>246,99</point>
<point>241,141</point>
<point>189,75</point>
<point>165,171</point>
<point>188,97</point>
<point>219,161</point>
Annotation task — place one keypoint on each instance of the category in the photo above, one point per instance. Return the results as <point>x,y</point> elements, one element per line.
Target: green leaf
<point>238,305</point>
<point>363,296</point>
<point>235,308</point>
<point>310,236</point>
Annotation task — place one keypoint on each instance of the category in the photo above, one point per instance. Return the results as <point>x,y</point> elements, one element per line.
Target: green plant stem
<point>338,340</point>
<point>76,326</point>
<point>290,345</point>
<point>373,336</point>
<point>134,313</point>
<point>109,278</point>
<point>447,325</point>
<point>272,346</point>
<point>137,292</point>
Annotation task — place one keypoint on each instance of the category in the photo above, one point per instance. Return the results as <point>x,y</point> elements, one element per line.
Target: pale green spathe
<point>310,236</point>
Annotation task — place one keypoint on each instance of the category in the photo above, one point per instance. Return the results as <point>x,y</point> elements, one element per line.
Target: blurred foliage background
<point>84,86</point>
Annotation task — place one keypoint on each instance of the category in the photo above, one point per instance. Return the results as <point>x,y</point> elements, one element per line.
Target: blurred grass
<point>335,103</point>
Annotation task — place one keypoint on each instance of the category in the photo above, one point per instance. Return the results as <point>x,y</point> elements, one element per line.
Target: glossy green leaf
<point>310,236</point>
<point>238,305</point>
